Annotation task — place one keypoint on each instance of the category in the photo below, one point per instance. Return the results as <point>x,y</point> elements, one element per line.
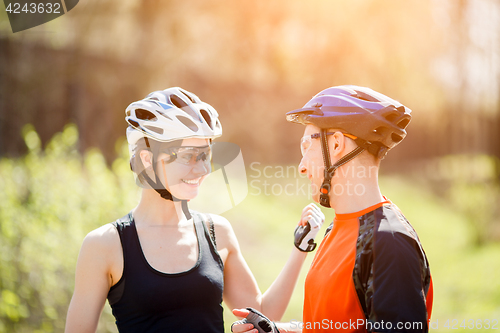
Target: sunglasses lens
<point>192,155</point>
<point>204,156</point>
<point>184,157</point>
<point>305,144</point>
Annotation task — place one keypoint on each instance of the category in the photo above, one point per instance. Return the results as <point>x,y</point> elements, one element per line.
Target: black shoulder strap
<point>330,227</point>
<point>203,219</point>
<point>211,229</point>
<point>120,223</point>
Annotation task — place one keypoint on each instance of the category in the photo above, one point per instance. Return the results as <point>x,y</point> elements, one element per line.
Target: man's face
<point>312,160</point>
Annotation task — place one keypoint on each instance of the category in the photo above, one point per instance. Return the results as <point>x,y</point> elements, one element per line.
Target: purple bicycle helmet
<point>372,117</point>
<point>377,123</point>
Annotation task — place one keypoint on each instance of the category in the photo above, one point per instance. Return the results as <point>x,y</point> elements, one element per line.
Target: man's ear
<point>336,144</point>
<point>146,158</point>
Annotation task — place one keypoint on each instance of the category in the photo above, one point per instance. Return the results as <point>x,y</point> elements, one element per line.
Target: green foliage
<point>477,195</point>
<point>471,185</point>
<point>49,201</point>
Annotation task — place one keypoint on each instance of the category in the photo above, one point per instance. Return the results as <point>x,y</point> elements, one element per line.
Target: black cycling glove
<point>259,321</point>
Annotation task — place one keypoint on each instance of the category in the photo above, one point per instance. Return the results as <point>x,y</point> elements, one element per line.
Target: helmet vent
<point>189,97</point>
<point>188,123</point>
<point>145,114</point>
<point>403,123</point>
<point>207,118</point>
<point>391,117</point>
<point>380,130</point>
<point>128,113</point>
<point>133,123</point>
<point>154,99</point>
<point>155,129</point>
<point>364,96</point>
<point>177,101</point>
<point>396,138</point>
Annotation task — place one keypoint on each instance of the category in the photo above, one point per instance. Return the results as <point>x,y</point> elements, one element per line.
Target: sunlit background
<point>64,87</point>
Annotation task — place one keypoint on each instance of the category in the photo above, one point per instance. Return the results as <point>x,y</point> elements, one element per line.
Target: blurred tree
<point>49,201</point>
<point>252,61</point>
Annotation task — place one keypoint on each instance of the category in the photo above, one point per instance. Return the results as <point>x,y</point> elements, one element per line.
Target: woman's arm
<point>92,279</point>
<point>275,300</point>
<point>239,327</point>
<point>240,287</point>
<point>241,290</point>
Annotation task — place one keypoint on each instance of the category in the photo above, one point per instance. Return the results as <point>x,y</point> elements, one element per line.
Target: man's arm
<point>397,293</point>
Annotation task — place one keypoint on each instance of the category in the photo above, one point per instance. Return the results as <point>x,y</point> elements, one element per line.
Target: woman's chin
<point>186,194</point>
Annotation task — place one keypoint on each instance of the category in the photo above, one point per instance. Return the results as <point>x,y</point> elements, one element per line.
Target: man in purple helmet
<point>370,272</point>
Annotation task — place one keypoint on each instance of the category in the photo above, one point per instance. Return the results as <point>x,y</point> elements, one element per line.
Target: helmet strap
<point>165,194</point>
<point>375,148</point>
<point>157,185</point>
<point>324,198</point>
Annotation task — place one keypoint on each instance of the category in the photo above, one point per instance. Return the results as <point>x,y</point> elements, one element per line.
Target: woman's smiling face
<point>187,171</point>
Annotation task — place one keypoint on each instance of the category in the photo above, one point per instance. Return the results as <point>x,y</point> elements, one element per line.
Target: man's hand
<point>253,322</point>
<point>310,222</point>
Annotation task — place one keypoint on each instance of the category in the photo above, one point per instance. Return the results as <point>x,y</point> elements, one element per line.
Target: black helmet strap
<point>375,148</point>
<point>157,185</point>
<point>324,198</point>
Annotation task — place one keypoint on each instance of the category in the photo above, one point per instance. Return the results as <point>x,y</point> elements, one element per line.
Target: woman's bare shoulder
<point>220,221</point>
<point>104,238</point>
<point>224,232</point>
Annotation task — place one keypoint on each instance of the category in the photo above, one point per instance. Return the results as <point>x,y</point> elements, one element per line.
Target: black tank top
<point>146,300</point>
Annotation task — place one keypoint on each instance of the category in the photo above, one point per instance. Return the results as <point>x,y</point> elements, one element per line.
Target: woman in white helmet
<point>162,267</point>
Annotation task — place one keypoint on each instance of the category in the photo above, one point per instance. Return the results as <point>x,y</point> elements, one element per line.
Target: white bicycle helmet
<point>169,115</point>
<point>164,118</point>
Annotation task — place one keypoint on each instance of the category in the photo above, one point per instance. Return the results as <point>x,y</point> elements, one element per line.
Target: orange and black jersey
<point>370,274</point>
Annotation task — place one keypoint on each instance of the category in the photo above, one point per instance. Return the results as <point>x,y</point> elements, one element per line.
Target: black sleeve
<point>397,298</point>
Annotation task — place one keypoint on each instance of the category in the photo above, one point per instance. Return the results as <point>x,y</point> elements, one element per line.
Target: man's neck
<point>353,194</point>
